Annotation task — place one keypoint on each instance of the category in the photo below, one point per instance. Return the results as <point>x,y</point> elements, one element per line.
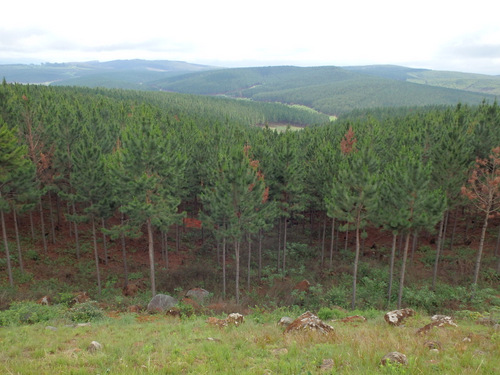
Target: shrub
<point>325,313</point>
<point>85,312</point>
<point>29,312</point>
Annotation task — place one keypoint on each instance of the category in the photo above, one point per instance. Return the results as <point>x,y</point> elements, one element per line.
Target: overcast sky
<point>435,34</point>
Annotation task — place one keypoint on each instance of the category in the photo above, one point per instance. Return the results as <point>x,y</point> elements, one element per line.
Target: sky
<point>432,34</point>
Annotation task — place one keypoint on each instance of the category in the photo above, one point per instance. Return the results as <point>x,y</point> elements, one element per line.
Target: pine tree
<point>13,164</point>
<point>148,169</point>
<point>236,203</point>
<point>483,189</point>
<point>354,190</point>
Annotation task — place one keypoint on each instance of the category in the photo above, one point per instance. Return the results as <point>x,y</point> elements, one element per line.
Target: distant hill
<point>480,83</point>
<point>130,74</point>
<point>327,89</point>
<point>331,90</point>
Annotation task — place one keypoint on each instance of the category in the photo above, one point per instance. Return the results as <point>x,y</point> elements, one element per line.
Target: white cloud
<point>433,34</point>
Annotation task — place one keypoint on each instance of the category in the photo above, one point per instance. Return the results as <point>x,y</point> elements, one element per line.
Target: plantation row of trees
<point>133,165</point>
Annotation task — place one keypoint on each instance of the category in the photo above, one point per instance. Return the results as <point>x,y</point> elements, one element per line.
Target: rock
<point>161,303</point>
<point>217,322</point>
<point>396,317</point>
<point>51,328</point>
<point>235,319</point>
<point>487,321</point>
<point>441,321</point>
<point>433,345</point>
<point>232,319</point>
<point>83,324</point>
<point>45,300</point>
<point>285,321</point>
<point>437,317</point>
<point>353,319</point>
<point>394,357</point>
<point>302,286</point>
<point>94,347</point>
<point>327,364</point>
<point>198,294</point>
<point>309,322</point>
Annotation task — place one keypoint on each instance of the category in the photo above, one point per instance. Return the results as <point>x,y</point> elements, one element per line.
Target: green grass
<point>164,345</point>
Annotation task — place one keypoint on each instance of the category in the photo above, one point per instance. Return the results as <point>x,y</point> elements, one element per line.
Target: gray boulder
<point>198,294</point>
<point>161,303</point>
<point>394,357</point>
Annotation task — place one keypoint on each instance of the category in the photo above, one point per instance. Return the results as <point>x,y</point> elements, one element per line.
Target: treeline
<point>134,165</point>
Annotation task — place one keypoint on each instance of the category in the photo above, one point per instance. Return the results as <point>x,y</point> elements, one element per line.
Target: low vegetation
<point>159,344</point>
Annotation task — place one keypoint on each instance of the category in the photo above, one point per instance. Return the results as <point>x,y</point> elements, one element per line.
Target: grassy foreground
<point>157,344</point>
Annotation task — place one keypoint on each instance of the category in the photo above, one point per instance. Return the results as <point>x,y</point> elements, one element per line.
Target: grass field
<point>158,344</point>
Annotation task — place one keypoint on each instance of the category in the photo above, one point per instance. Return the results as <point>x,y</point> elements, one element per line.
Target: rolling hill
<point>331,90</point>
<point>327,89</point>
<point>128,74</point>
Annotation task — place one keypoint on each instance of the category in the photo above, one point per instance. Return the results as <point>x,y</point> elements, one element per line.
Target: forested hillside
<point>101,188</point>
<point>125,74</point>
<point>480,83</point>
<point>330,90</point>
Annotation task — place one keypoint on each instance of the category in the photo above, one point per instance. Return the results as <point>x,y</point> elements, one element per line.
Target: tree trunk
<point>151,257</point>
<point>454,231</point>
<point>323,242</point>
<point>32,225</point>
<point>70,224</point>
<point>284,246</point>
<point>52,223</point>
<point>346,239</point>
<point>165,236</point>
<point>480,250</point>
<point>124,254</point>
<point>260,254</point>
<point>224,267</point>
<point>177,238</point>
<point>7,253</point>
<point>278,264</point>
<point>391,269</point>
<point>438,251</point>
<point>237,277</point>
<point>414,245</point>
<point>356,261</point>
<point>42,223</point>
<point>249,261</point>
<point>104,242</point>
<point>332,240</point>
<point>96,255</point>
<point>77,240</point>
<point>217,248</point>
<point>18,241</point>
<point>403,270</point>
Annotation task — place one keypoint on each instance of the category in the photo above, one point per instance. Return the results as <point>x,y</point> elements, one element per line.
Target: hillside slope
<point>131,74</point>
<point>480,83</point>
<point>328,89</point>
